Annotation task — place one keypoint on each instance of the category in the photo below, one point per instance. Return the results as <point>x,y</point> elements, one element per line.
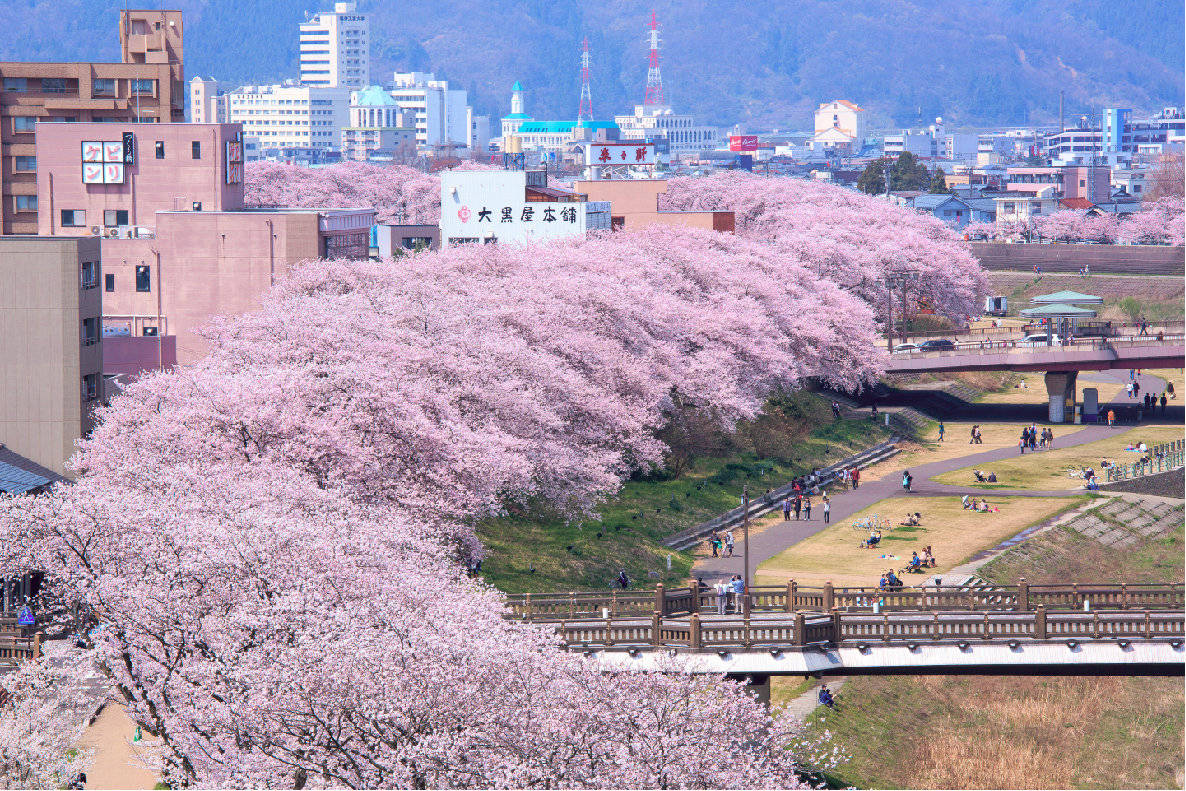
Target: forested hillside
<point>763,64</point>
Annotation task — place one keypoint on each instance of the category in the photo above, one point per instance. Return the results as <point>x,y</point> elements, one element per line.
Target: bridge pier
<point>1060,387</point>
<point>756,684</point>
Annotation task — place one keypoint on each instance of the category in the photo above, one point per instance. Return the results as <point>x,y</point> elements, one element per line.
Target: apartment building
<point>438,112</point>
<point>177,245</point>
<point>673,134</point>
<point>335,49</point>
<point>207,103</point>
<point>50,345</point>
<point>377,129</point>
<point>145,87</point>
<point>290,116</point>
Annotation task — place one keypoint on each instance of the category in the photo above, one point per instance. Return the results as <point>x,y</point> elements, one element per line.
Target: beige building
<point>50,345</point>
<point>146,87</point>
<point>839,124</point>
<point>634,203</point>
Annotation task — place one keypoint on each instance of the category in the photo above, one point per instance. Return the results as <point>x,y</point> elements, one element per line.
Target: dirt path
<point>118,762</point>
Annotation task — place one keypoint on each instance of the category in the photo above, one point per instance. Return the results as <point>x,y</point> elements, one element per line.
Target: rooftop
<point>374,96</point>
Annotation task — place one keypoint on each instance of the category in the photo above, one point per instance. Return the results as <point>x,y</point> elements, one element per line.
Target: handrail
<point>1161,458</point>
<point>1019,344</point>
<point>1023,597</point>
<point>865,629</point>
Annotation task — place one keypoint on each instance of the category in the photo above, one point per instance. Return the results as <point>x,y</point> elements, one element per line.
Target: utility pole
<point>745,542</point>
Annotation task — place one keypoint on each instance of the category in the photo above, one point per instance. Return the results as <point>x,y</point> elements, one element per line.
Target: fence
<point>1161,458</point>
<point>862,629</point>
<point>1067,344</point>
<point>15,649</point>
<point>1023,597</point>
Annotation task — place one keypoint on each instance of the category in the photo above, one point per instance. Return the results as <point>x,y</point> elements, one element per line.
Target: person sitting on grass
<point>890,581</point>
<point>992,477</point>
<point>915,564</point>
<point>966,501</point>
<point>873,540</point>
<point>912,520</point>
<point>927,558</point>
<point>825,697</point>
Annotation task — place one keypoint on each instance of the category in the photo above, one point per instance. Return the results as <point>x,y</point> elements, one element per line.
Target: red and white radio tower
<point>654,95</point>
<point>585,113</point>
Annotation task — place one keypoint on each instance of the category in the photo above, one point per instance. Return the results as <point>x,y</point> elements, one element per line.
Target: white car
<point>905,348</point>
<point>1039,339</point>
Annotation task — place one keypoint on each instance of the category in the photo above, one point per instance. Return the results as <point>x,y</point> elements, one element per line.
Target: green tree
<point>939,182</point>
<point>872,179</point>
<point>909,174</point>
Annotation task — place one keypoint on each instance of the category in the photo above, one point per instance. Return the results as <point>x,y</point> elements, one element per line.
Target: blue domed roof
<point>374,96</point>
<point>518,86</point>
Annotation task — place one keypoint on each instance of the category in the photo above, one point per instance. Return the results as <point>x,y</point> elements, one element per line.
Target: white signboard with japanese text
<point>619,154</point>
<point>103,162</point>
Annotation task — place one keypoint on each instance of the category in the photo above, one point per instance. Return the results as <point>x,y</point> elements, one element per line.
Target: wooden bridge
<point>1129,628</point>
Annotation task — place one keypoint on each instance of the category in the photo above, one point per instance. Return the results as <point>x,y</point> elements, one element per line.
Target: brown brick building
<point>146,87</point>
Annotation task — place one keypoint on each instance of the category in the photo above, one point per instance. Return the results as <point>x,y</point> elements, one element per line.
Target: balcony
<point>141,43</point>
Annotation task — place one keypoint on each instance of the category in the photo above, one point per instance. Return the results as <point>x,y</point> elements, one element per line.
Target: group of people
<point>990,477</point>
<point>982,506</point>
<point>729,594</point>
<point>1151,401</point>
<point>722,546</point>
<point>890,581</point>
<point>873,540</point>
<point>920,562</point>
<point>1033,439</point>
<point>850,478</point>
<point>800,506</point>
<point>976,438</point>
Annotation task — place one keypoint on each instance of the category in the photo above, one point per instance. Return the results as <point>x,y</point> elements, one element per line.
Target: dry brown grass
<point>953,533</point>
<point>1017,732</point>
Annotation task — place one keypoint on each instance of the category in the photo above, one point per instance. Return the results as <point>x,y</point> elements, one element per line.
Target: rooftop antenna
<point>585,112</point>
<point>654,95</point>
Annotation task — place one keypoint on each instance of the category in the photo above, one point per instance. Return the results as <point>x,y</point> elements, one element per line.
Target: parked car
<point>905,348</point>
<point>1039,339</point>
<point>936,345</point>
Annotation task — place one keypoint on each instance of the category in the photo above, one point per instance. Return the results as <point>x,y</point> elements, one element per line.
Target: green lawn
<point>537,552</point>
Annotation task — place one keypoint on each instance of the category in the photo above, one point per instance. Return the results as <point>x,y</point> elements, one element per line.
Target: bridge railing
<point>1161,458</point>
<point>792,597</point>
<point>1018,344</point>
<point>798,630</point>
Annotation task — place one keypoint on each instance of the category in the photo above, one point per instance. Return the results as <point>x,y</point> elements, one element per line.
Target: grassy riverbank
<point>534,551</point>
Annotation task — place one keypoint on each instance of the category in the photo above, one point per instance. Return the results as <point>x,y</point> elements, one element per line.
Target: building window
<point>23,123</point>
<point>143,279</point>
<point>196,149</point>
<point>26,202</point>
<point>73,218</point>
<point>143,86</point>
<point>90,331</point>
<point>53,85</point>
<point>160,149</point>
<point>15,84</point>
<point>109,282</point>
<point>90,387</point>
<point>149,331</point>
<point>103,87</point>
<point>115,217</point>
<point>24,163</point>
<point>90,274</point>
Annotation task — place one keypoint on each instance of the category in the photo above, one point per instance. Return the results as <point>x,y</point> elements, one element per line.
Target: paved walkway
<point>780,537</point>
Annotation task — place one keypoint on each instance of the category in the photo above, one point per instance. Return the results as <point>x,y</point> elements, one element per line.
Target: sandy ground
<point>118,762</point>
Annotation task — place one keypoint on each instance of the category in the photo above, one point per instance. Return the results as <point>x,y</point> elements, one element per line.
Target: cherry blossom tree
<point>45,705</point>
<point>844,236</point>
<point>1158,222</point>
<point>1077,226</point>
<point>398,193</point>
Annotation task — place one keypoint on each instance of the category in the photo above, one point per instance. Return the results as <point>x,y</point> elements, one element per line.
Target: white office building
<point>335,49</point>
<point>673,134</point>
<point>439,114</point>
<point>513,207</point>
<point>207,103</point>
<point>290,116</point>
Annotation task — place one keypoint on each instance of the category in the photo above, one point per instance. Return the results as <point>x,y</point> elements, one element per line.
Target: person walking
<point>1136,389</point>
<point>798,506</point>
<point>729,543</point>
<point>856,477</point>
<point>1163,403</point>
<point>941,430</point>
<point>1128,389</point>
<point>907,478</point>
<point>786,510</point>
<point>714,541</point>
<point>1111,417</point>
<point>807,508</point>
<point>722,590</point>
<point>623,581</point>
<point>827,510</point>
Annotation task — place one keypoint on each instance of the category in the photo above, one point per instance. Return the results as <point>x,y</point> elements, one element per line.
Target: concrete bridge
<point>775,630</point>
<point>1061,363</point>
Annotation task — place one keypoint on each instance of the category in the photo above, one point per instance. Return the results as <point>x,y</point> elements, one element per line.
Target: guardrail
<point>841,629</point>
<point>764,503</point>
<point>1023,597</point>
<point>1114,329</point>
<point>1019,344</point>
<point>1161,458</point>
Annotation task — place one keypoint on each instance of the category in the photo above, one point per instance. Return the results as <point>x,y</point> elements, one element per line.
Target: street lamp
<point>745,545</point>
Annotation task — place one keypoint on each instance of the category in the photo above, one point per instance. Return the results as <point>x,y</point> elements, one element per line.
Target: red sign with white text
<point>743,142</point>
